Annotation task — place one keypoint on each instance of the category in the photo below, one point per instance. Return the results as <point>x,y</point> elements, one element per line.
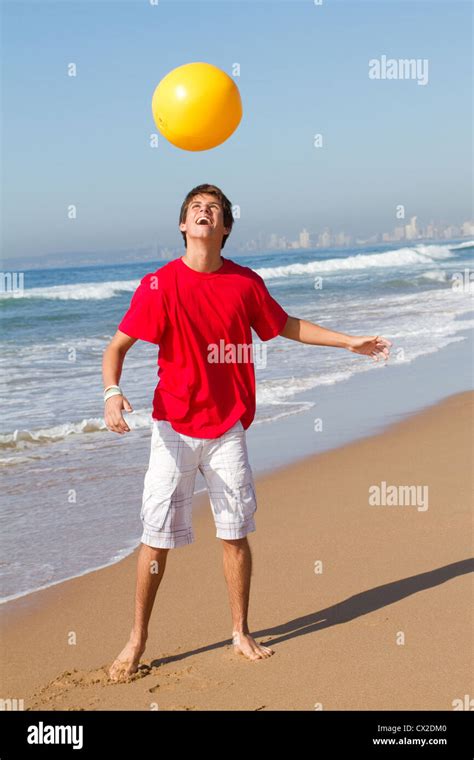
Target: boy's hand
<point>372,345</point>
<point>113,414</point>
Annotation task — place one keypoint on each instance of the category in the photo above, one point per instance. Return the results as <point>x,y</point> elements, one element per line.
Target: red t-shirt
<point>205,385</point>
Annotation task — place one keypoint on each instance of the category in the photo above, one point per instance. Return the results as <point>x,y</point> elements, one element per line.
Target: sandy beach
<point>367,607</point>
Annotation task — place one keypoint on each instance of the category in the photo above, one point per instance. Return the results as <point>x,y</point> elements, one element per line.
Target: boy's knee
<point>156,550</point>
<point>235,542</point>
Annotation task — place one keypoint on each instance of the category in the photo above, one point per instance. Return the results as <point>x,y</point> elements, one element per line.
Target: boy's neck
<point>202,259</point>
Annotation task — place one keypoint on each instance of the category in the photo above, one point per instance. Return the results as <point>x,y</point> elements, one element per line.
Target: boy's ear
<point>182,226</point>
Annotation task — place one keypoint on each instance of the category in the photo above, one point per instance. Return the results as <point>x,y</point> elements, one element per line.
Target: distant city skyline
<point>407,232</point>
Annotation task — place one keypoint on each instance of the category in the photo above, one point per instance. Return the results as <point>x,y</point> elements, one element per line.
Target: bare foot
<point>126,663</point>
<point>245,644</point>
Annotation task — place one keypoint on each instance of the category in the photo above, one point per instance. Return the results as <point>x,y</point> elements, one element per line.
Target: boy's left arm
<point>307,332</point>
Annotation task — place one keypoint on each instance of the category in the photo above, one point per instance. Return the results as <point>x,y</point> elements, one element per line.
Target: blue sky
<point>304,70</point>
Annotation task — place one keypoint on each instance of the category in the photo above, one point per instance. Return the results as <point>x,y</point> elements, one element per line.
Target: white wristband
<point>112,391</point>
<point>111,386</point>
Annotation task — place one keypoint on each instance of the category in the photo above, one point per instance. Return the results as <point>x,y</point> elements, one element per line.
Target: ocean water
<point>72,490</point>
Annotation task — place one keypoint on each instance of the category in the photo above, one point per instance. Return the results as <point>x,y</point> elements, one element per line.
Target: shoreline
<point>348,417</point>
<point>387,570</point>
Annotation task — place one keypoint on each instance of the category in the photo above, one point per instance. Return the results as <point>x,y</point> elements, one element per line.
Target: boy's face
<point>204,218</point>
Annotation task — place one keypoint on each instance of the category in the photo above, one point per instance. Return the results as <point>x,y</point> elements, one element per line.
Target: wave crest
<point>420,254</point>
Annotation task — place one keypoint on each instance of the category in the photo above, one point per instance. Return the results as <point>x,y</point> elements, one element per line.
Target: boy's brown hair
<point>209,190</point>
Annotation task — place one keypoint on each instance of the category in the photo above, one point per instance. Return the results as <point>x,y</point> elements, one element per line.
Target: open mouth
<point>203,220</point>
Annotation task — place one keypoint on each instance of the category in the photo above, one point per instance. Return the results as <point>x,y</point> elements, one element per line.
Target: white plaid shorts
<point>175,458</point>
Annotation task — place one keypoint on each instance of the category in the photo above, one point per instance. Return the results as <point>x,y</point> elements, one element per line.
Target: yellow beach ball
<point>197,106</point>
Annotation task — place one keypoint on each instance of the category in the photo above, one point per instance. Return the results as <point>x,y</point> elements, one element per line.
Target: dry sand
<point>389,574</point>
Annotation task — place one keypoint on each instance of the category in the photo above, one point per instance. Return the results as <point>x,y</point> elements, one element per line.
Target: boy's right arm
<point>112,363</point>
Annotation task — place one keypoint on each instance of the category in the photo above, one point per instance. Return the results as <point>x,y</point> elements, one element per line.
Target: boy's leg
<point>237,571</point>
<point>226,468</point>
<point>150,569</point>
<point>166,515</point>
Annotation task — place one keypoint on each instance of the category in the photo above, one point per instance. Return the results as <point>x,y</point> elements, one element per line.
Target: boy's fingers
<point>123,425</point>
<point>117,425</point>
